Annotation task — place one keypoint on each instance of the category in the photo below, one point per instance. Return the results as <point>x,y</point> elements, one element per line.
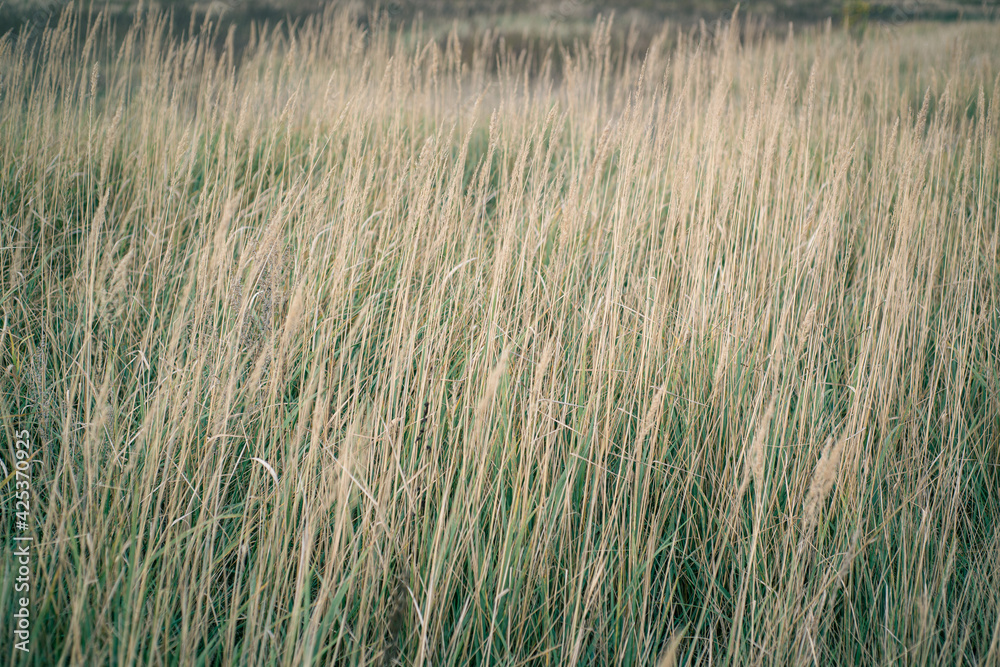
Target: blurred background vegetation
<point>532,16</point>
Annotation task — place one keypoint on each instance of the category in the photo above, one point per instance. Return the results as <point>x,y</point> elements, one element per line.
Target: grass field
<point>355,347</point>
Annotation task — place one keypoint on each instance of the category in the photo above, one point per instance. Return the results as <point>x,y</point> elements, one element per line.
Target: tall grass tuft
<point>352,346</point>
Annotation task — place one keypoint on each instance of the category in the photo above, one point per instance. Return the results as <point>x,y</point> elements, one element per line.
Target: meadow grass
<point>344,348</point>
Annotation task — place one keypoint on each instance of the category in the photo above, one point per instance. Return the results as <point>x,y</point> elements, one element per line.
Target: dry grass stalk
<point>536,299</point>
<point>824,476</point>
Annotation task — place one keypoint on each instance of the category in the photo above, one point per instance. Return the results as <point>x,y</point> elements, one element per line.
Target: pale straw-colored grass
<point>352,347</point>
